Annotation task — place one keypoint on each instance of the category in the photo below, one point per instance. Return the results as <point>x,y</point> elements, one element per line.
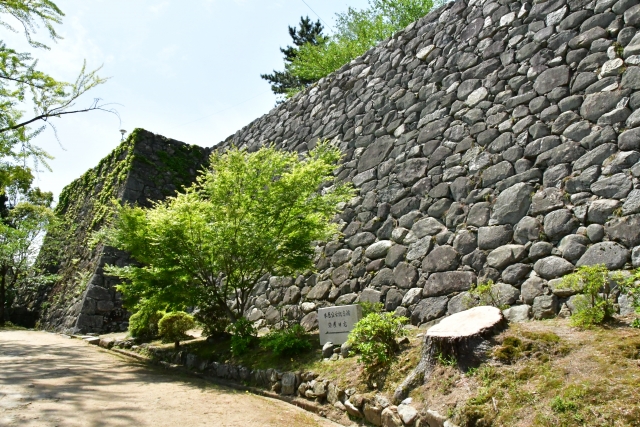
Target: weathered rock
<point>625,230</point>
<point>505,255</point>
<point>527,230</point>
<point>442,258</point>
<point>289,383</point>
<point>407,413</point>
<point>516,273</point>
<point>448,282</point>
<point>545,307</point>
<point>320,290</point>
<point>552,267</point>
<point>429,309</point>
<point>512,204</point>
<point>613,255</point>
<point>531,288</point>
<point>517,313</point>
<point>559,223</point>
<point>494,236</point>
<point>390,418</point>
<point>378,249</point>
<point>614,187</point>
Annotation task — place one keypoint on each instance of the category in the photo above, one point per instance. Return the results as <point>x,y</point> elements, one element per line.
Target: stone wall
<point>489,141</point>
<point>144,168</point>
<point>493,140</point>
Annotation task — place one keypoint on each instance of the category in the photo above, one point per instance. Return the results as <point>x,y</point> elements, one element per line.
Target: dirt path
<point>47,380</point>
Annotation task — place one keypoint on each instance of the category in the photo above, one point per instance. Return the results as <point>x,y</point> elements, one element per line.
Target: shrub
<point>484,294</point>
<point>287,342</point>
<point>370,307</point>
<point>144,324</point>
<point>173,326</point>
<point>374,339</point>
<point>596,305</point>
<point>243,336</point>
<point>214,321</point>
<point>631,287</point>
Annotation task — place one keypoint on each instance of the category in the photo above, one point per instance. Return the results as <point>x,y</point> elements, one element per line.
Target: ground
<point>49,380</point>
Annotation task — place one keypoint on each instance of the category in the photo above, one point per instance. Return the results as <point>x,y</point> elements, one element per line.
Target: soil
<point>49,380</point>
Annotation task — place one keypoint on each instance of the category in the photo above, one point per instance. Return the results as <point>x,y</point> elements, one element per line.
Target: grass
<point>346,373</point>
<point>549,374</point>
<point>539,373</point>
<point>8,326</point>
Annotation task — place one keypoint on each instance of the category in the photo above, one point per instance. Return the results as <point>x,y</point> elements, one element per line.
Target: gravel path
<point>49,380</point>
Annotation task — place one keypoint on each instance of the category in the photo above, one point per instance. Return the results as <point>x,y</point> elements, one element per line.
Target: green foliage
<point>21,230</point>
<point>374,339</point>
<point>284,83</point>
<point>23,85</point>
<point>356,32</point>
<point>370,307</point>
<point>631,287</point>
<point>144,324</point>
<point>635,323</point>
<point>287,342</point>
<point>243,336</point>
<point>248,215</point>
<point>173,326</point>
<point>484,294</point>
<point>596,305</point>
<point>563,405</point>
<point>213,320</point>
<point>444,360</point>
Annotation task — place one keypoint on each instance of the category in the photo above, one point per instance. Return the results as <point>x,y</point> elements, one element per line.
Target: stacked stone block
<point>489,141</point>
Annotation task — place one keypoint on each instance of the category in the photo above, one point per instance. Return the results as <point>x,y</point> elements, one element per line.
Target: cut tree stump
<point>462,336</point>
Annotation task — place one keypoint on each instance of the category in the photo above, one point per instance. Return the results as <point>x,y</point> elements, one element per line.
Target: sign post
<point>335,323</point>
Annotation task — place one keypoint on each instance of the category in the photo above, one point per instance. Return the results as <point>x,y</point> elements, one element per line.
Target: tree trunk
<point>177,345</point>
<point>462,336</point>
<point>3,292</point>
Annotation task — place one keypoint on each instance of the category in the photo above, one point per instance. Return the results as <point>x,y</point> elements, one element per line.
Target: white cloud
<point>159,7</point>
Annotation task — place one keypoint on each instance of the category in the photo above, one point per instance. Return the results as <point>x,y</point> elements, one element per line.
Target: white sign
<point>335,323</point>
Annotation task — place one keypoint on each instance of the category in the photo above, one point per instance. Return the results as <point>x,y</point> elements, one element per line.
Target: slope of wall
<point>489,141</point>
<point>144,168</point>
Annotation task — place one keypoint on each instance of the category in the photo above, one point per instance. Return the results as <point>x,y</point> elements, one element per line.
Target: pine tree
<point>283,83</point>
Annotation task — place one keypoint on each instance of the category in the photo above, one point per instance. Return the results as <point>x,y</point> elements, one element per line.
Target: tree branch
<point>55,113</point>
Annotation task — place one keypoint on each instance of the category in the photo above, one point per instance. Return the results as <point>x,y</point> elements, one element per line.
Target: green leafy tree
<point>23,86</point>
<point>173,327</point>
<point>283,82</point>
<point>249,215</point>
<point>374,338</point>
<point>595,304</point>
<point>21,231</point>
<point>356,32</point>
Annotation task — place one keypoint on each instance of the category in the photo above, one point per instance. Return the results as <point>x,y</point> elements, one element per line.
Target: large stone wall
<point>494,140</point>
<point>490,140</point>
<point>144,168</point>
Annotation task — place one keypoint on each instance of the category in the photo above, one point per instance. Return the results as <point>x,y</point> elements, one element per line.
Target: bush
<point>144,324</point>
<point>214,321</point>
<point>484,294</point>
<point>287,342</point>
<point>243,336</point>
<point>596,305</point>
<point>374,339</point>
<point>356,32</point>
<point>173,326</point>
<point>370,307</point>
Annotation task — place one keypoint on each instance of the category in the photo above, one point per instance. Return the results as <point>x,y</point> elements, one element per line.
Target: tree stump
<point>462,336</point>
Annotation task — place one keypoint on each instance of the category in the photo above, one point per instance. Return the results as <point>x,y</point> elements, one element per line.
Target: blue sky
<point>189,73</point>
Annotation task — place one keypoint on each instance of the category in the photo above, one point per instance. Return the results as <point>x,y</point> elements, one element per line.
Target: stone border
<point>320,397</point>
